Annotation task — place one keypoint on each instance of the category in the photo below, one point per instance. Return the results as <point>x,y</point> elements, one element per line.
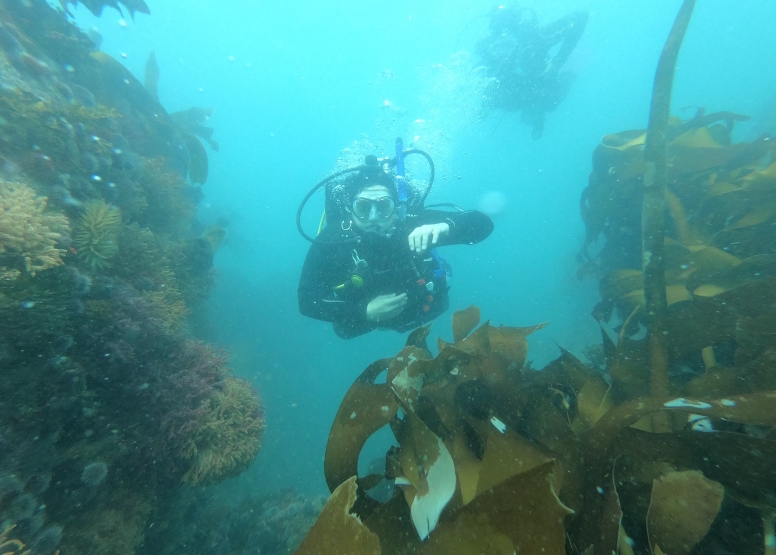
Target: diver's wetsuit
<point>340,279</point>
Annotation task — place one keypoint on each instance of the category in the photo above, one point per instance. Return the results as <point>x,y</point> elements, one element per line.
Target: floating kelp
<point>499,458</point>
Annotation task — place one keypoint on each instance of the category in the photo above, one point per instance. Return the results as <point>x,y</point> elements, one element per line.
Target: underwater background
<point>299,89</point>
<point>293,85</point>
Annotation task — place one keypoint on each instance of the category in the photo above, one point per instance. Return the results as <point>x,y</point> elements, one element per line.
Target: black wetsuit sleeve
<point>567,30</point>
<point>322,270</point>
<point>466,228</point>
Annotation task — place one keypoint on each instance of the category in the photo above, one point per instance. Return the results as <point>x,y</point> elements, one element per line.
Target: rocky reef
<point>198,523</point>
<point>110,405</point>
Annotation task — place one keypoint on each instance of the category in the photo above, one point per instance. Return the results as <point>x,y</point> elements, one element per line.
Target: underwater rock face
<point>201,525</point>
<point>114,403</point>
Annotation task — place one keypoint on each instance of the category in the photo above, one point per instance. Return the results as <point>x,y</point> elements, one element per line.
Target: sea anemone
<point>94,474</point>
<point>95,234</point>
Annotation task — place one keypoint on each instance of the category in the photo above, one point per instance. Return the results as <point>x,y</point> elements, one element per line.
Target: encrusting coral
<point>28,230</point>
<point>229,438</point>
<point>96,232</point>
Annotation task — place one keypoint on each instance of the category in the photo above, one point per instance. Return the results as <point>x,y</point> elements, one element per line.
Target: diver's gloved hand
<point>385,307</point>
<point>426,236</point>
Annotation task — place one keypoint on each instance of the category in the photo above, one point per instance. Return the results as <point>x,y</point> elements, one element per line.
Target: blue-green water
<point>124,431</point>
<point>293,84</point>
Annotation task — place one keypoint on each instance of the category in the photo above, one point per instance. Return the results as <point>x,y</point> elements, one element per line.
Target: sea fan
<point>95,234</point>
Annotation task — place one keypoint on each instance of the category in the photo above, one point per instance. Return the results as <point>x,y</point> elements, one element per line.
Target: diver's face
<point>373,209</point>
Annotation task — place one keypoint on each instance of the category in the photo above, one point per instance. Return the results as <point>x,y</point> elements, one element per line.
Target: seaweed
<point>653,207</point>
<point>496,455</point>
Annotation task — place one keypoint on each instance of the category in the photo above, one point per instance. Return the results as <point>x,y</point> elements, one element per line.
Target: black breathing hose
<point>311,193</point>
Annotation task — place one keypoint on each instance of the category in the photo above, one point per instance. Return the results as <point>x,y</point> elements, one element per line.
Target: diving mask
<point>373,208</point>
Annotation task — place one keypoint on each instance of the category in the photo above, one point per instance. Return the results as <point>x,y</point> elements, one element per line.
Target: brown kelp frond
<point>95,236</point>
<point>493,454</point>
<point>28,230</point>
<point>653,207</point>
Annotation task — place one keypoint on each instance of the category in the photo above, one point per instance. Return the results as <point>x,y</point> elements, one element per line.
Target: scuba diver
<point>375,263</point>
<point>516,55</point>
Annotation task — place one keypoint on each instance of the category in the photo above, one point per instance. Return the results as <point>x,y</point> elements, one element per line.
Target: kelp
<point>337,531</point>
<point>653,206</point>
<point>718,260</point>
<point>448,416</point>
<point>494,457</point>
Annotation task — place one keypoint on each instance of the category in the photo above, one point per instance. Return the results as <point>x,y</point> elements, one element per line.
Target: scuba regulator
<point>372,166</point>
